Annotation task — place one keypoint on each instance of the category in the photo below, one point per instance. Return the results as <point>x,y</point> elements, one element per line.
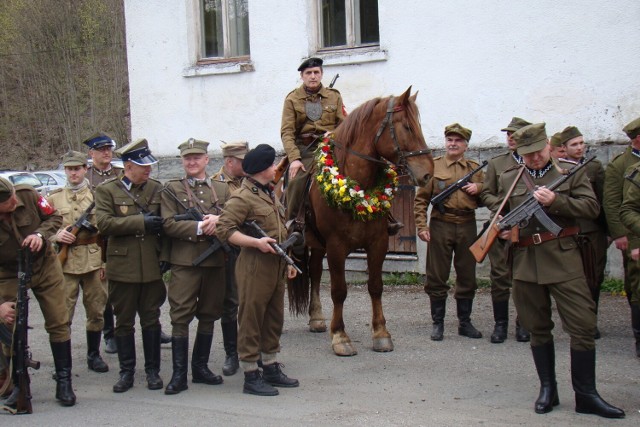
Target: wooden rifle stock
<point>280,169</point>
<point>64,248</point>
<point>480,248</point>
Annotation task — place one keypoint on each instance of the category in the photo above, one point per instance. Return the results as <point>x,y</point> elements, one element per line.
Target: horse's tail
<point>298,287</point>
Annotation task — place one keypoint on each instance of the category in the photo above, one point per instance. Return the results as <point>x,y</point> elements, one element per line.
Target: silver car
<point>18,177</point>
<point>52,179</point>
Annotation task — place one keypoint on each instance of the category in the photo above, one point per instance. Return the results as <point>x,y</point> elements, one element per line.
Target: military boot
<point>583,378</point>
<point>230,339</point>
<point>94,360</point>
<point>151,347</point>
<point>438,309</point>
<point>501,318</point>
<point>179,355</point>
<point>108,329</point>
<point>635,325</point>
<point>200,372</point>
<point>255,384</point>
<point>466,328</point>
<point>62,361</point>
<point>522,335</point>
<point>126,346</point>
<point>273,374</point>
<point>544,357</point>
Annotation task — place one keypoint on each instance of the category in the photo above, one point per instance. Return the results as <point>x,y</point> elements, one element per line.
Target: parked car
<point>52,179</point>
<point>18,177</point>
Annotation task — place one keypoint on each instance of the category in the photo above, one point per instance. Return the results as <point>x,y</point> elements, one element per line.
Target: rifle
<point>280,250</point>
<point>283,164</point>
<point>520,216</point>
<point>74,229</point>
<point>193,214</point>
<point>438,201</point>
<point>21,351</point>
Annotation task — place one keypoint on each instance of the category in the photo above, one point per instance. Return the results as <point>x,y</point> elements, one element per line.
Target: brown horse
<point>381,130</point>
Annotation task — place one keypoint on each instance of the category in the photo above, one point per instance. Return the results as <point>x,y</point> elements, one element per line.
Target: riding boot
<point>255,384</point>
<point>393,225</point>
<point>230,339</point>
<point>62,360</point>
<point>108,329</point>
<point>544,357</point>
<point>635,325</point>
<point>180,355</point>
<point>94,360</point>
<point>126,346</point>
<point>501,317</point>
<point>151,347</point>
<point>200,372</point>
<point>273,375</point>
<point>522,335</point>
<point>438,309</point>
<point>164,338</point>
<point>466,328</point>
<point>583,378</point>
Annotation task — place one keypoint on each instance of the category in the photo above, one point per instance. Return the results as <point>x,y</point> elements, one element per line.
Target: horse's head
<point>399,138</point>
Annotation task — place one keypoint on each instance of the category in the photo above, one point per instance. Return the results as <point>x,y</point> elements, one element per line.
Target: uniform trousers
<point>575,307</point>
<point>631,277</point>
<point>451,241</point>
<point>94,297</point>
<point>143,299</point>
<point>295,188</point>
<point>230,309</point>
<point>500,274</point>
<point>195,292</point>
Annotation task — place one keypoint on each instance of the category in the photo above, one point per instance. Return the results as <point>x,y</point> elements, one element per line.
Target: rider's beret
<point>258,159</point>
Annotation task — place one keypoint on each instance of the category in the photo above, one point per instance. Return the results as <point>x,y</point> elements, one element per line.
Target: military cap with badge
<point>6,189</point>
<point>99,140</point>
<point>567,134</point>
<point>515,124</point>
<point>458,129</point>
<point>193,146</point>
<point>531,138</point>
<point>74,158</point>
<point>137,152</point>
<point>632,129</point>
<point>237,149</point>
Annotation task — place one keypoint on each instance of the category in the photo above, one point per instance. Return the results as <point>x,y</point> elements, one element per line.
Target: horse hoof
<point>317,326</point>
<point>382,344</point>
<point>344,349</point>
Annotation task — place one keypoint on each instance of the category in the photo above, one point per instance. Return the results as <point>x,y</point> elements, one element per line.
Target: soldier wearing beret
<point>545,265</point>
<point>231,173</point>
<point>27,221</point>
<point>449,235</point>
<point>128,213</point>
<point>622,237</point>
<point>82,266</point>
<point>194,291</point>
<point>595,230</point>
<point>491,196</point>
<point>260,273</point>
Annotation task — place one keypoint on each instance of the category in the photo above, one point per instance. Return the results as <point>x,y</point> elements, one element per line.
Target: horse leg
<point>316,319</point>
<point>340,341</point>
<point>375,257</point>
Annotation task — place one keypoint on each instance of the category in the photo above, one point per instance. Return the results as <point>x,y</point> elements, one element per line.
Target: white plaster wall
<point>474,62</point>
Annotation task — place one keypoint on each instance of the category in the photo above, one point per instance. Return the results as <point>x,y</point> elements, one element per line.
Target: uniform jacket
<point>132,254</point>
<point>630,210</point>
<point>613,191</point>
<point>233,182</point>
<point>186,245</point>
<point>445,173</point>
<point>595,174</point>
<point>96,177</point>
<point>492,195</point>
<point>556,260</point>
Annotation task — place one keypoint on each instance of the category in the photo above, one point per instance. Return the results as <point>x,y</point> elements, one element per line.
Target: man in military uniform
<point>82,266</point>
<point>231,173</point>
<point>621,235</point>
<point>450,234</point>
<point>27,221</point>
<point>128,213</point>
<point>260,273</point>
<point>194,290</point>
<point>492,196</point>
<point>594,230</point>
<point>545,265</point>
<point>556,149</point>
<point>101,148</point>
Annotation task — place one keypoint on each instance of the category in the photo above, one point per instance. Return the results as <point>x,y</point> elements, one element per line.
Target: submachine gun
<point>438,201</point>
<point>281,250</point>
<point>81,223</point>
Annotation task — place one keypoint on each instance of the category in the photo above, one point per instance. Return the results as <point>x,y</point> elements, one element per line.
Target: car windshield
<point>28,179</point>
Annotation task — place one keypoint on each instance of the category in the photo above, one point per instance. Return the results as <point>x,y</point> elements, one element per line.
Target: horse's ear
<point>414,96</point>
<point>404,98</point>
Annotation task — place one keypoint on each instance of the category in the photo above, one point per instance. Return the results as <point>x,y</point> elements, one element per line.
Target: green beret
<point>568,134</point>
<point>193,146</point>
<point>530,139</point>
<point>632,129</point>
<point>515,124</point>
<point>137,152</point>
<point>6,189</point>
<point>555,140</point>
<point>74,158</point>
<point>258,159</point>
<point>458,130</point>
<point>235,149</point>
<point>310,63</point>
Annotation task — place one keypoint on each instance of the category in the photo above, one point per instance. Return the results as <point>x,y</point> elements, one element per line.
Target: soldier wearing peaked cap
<point>491,196</point>
<point>194,291</point>
<point>128,213</point>
<point>624,239</point>
<point>450,234</point>
<point>260,273</point>
<point>545,265</point>
<point>556,149</point>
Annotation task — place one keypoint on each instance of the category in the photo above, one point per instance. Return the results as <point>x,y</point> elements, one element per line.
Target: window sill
<point>353,56</point>
<point>218,68</point>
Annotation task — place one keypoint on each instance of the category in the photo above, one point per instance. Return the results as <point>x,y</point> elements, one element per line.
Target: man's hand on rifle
<point>471,188</point>
<point>544,196</point>
<point>208,225</point>
<point>264,245</point>
<point>294,167</point>
<point>64,236</point>
<point>34,242</point>
<point>621,243</point>
<point>8,312</point>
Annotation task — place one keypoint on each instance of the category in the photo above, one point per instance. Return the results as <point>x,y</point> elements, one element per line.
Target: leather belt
<point>307,138</point>
<point>459,212</point>
<point>539,238</point>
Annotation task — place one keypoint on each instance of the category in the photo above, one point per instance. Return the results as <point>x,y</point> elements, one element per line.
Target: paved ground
<point>458,381</point>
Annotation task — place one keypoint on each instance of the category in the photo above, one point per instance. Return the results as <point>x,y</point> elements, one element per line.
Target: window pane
<point>334,29</point>
<point>368,15</point>
<point>213,38</point>
<point>239,27</point>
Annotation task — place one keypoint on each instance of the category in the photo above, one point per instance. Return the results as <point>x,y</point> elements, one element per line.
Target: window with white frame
<point>348,23</point>
<point>225,25</point>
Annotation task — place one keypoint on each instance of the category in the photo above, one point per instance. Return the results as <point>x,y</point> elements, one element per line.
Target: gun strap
<point>145,209</point>
<point>192,197</point>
